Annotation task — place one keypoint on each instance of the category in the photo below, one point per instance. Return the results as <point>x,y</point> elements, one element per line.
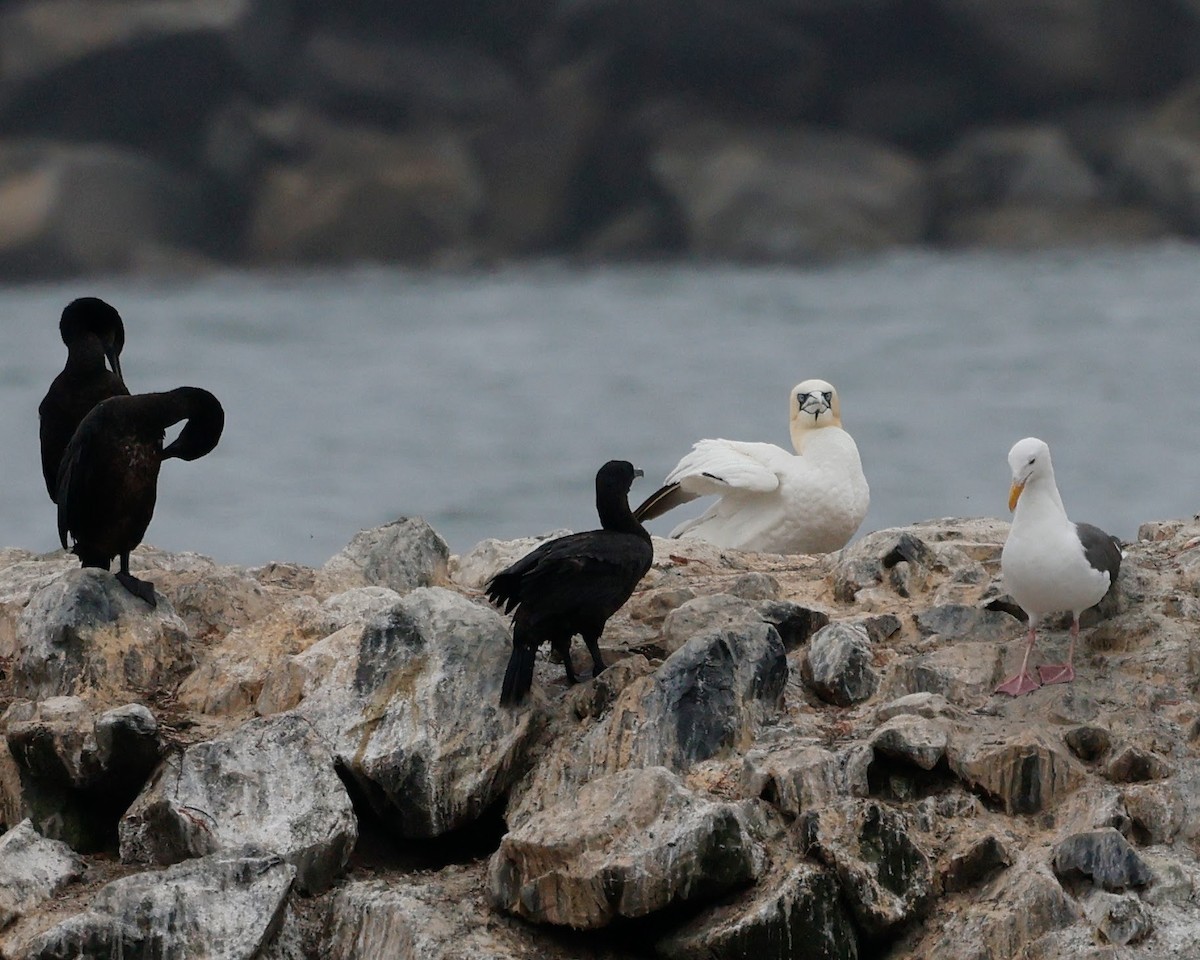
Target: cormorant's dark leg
<point>593,644</point>
<point>139,588</point>
<point>563,647</point>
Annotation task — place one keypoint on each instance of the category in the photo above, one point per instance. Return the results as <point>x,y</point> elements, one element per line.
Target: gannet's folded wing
<point>715,467</point>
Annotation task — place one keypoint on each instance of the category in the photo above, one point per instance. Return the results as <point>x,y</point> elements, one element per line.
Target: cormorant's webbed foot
<point>139,588</point>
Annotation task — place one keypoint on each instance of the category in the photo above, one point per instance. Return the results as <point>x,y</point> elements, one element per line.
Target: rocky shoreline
<point>293,763</point>
<point>142,136</point>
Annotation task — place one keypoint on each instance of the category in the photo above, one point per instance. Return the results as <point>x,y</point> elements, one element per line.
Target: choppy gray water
<point>485,402</point>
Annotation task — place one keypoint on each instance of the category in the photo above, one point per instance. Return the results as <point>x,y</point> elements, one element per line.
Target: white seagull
<point>772,501</point>
<point>1050,563</point>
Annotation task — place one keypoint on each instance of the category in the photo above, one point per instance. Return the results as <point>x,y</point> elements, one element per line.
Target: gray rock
<point>626,845</point>
<point>87,633</point>
<point>1103,856</point>
<point>975,864</point>
<point>957,620</point>
<point>788,195</point>
<point>389,699</point>
<point>32,869</point>
<point>794,779</point>
<point>703,614</point>
<point>1089,743</point>
<point>911,739</point>
<point>1119,920</point>
<point>91,208</point>
<point>1135,765</point>
<point>709,697</point>
<point>837,665</point>
<point>1158,811</point>
<point>269,784</point>
<point>963,672</point>
<point>401,555</point>
<point>885,874</point>
<point>800,913</point>
<point>221,907</point>
<point>1023,773</point>
<point>927,705</point>
<point>794,624</point>
<point>127,741</point>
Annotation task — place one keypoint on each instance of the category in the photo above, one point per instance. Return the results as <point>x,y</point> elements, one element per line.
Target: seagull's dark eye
<point>828,395</point>
<point>1032,461</point>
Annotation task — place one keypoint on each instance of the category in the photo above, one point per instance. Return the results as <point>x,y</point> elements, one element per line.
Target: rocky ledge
<point>787,756</point>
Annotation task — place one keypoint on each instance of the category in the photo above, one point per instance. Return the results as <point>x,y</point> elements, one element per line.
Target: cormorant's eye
<point>828,395</point>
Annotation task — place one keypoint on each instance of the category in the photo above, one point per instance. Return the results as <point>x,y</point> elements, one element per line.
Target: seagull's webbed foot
<point>139,588</point>
<point>1056,672</point>
<point>1018,684</point>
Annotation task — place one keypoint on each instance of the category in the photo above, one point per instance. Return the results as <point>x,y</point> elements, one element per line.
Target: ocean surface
<point>485,401</point>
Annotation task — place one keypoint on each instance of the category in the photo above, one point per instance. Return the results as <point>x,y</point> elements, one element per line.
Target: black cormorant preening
<point>108,479</point>
<point>93,332</point>
<point>573,584</point>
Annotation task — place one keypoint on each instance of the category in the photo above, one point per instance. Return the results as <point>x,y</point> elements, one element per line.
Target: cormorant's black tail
<point>518,678</point>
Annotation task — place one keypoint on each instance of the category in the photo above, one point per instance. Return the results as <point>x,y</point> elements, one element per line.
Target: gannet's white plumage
<point>1049,563</point>
<point>772,501</point>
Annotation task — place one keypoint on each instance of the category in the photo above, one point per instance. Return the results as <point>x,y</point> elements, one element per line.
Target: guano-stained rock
<point>1103,856</point>
<point>388,698</point>
<point>837,665</point>
<point>220,907</point>
<point>32,869</point>
<point>627,845</point>
<point>270,784</point>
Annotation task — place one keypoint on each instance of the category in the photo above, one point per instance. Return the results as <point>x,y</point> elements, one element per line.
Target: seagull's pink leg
<point>1062,672</point>
<point>1022,681</point>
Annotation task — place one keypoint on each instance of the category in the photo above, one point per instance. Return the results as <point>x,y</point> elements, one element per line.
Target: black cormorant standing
<point>108,479</point>
<point>93,332</point>
<point>573,584</point>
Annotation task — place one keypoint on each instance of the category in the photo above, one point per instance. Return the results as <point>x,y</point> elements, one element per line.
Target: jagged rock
<point>704,613</point>
<point>1089,743</point>
<point>791,195</point>
<point>1023,773</point>
<point>87,633</point>
<point>955,620</point>
<point>1119,919</point>
<point>963,672</point>
<point>885,875</point>
<point>911,739</point>
<point>474,568</point>
<point>269,784</point>
<point>975,864</point>
<point>1023,904</point>
<point>217,907</point>
<point>77,770</point>
<point>1172,883</point>
<point>442,916</point>
<point>927,705</point>
<point>214,600</point>
<point>401,555</point>
<point>794,779</point>
<point>712,695</point>
<point>229,677</point>
<point>594,699</point>
<point>1158,811</point>
<point>32,869</point>
<point>90,208</point>
<point>837,665</point>
<point>389,700</point>
<point>794,624</point>
<point>626,845</point>
<point>1134,765</point>
<point>22,576</point>
<point>1103,856</point>
<point>801,911</point>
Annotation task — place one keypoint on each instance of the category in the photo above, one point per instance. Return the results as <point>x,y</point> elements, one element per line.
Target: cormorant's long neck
<point>85,356</point>
<point>202,411</point>
<point>613,506</point>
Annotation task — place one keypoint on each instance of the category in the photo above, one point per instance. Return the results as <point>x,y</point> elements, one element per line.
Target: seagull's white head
<point>1029,459</point>
<point>814,404</point>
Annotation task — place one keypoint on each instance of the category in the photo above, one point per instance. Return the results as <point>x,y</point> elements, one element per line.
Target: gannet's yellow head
<point>814,404</point>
